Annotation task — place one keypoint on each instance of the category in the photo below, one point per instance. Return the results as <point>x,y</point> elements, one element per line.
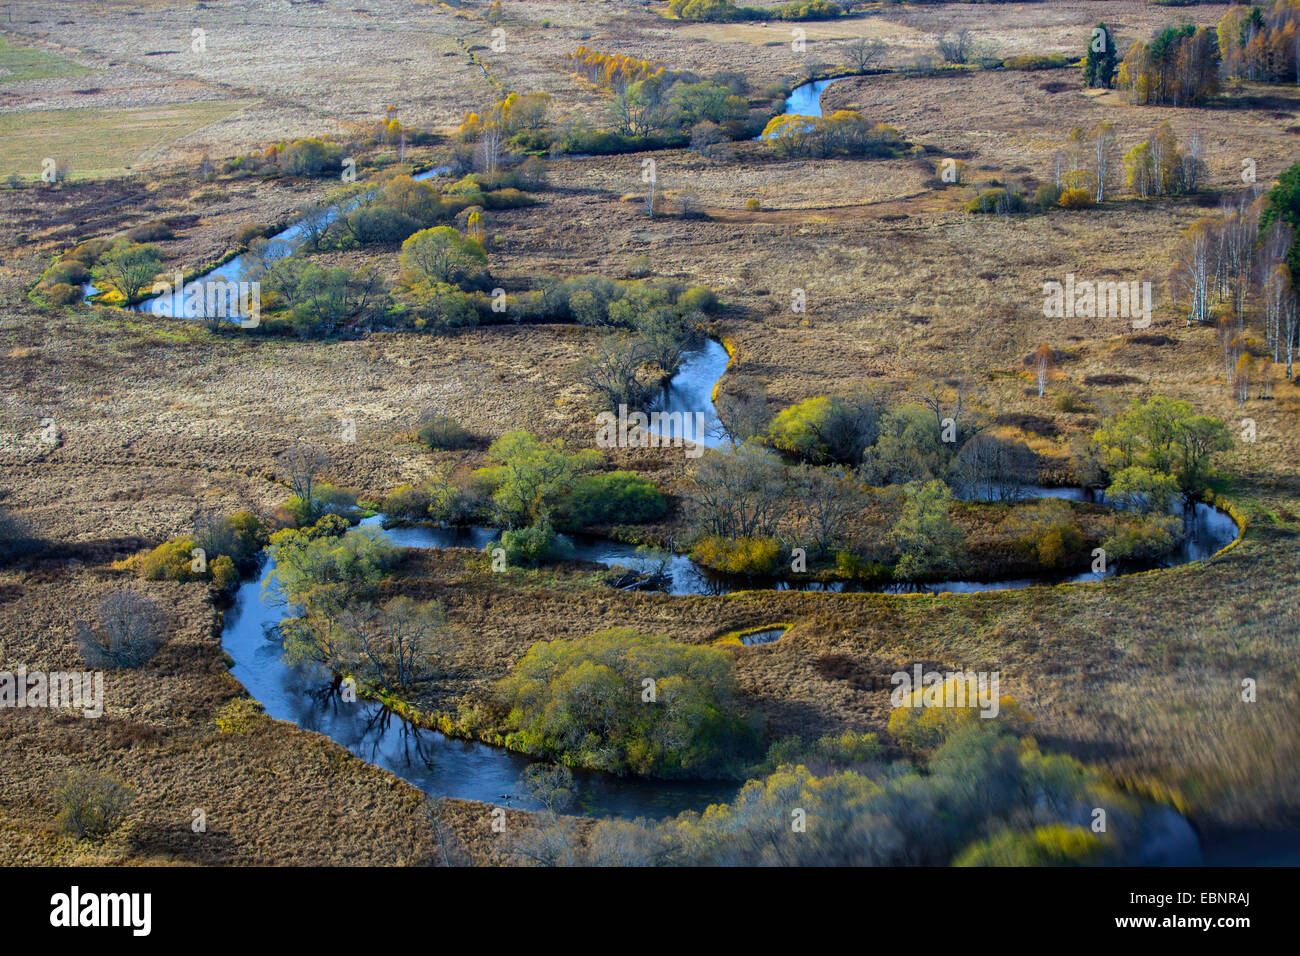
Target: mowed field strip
<point>99,142</point>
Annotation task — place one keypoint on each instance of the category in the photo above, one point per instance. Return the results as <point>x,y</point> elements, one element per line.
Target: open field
<point>19,63</point>
<point>160,422</point>
<point>126,137</point>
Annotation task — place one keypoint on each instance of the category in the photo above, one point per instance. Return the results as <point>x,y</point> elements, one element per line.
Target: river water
<point>445,767</point>
<point>805,100</point>
<point>191,302</point>
<point>476,771</point>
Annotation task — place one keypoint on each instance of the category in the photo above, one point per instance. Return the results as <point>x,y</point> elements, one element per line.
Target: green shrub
<point>850,565</point>
<point>613,497</point>
<point>640,266</point>
<point>88,252</point>
<point>241,538</point>
<point>150,232</point>
<point>62,293</point>
<point>725,11</point>
<point>248,233</point>
<point>407,502</point>
<point>91,805</point>
<point>444,433</point>
<point>380,225</point>
<point>923,727</point>
<point>69,270</point>
<point>1144,539</point>
<point>250,537</point>
<point>846,750</point>
<point>1047,196</point>
<point>507,199</point>
<point>1069,402</point>
<point>822,429</point>
<point>1036,61</point>
<point>532,546</point>
<point>309,157</point>
<point>697,299</point>
<point>327,501</point>
<point>624,702</point>
<point>996,200</point>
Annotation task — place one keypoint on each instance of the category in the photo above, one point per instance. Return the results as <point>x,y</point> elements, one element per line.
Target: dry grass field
<point>160,422</point>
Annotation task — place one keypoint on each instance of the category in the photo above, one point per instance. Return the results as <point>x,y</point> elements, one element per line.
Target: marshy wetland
<point>386,577</point>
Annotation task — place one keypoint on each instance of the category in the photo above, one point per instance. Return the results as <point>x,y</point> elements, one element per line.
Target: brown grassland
<point>160,421</point>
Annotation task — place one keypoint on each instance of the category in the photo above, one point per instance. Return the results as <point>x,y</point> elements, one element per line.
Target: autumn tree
<point>126,269</point>
<point>302,465</point>
<point>927,539</point>
<point>440,255</point>
<point>863,53</point>
<point>1179,67</point>
<point>1195,267</point>
<point>1155,166</point>
<point>1105,153</point>
<point>1261,44</point>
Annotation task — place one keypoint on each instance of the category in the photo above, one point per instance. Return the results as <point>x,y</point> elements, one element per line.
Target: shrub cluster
<point>587,703</point>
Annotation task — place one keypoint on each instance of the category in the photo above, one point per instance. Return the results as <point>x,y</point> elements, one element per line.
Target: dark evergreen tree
<point>1100,61</point>
<point>1283,202</point>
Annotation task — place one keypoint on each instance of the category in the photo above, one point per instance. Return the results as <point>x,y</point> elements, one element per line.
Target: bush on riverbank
<point>843,133</point>
<point>302,157</point>
<point>611,497</point>
<point>531,546</point>
<point>1054,845</point>
<point>220,550</point>
<point>626,702</point>
<point>748,556</point>
<point>1048,533</point>
<point>979,782</point>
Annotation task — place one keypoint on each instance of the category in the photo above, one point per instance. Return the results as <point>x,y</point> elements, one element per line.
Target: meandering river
<point>445,767</point>
<point>476,771</point>
<point>805,100</point>
<point>191,303</point>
